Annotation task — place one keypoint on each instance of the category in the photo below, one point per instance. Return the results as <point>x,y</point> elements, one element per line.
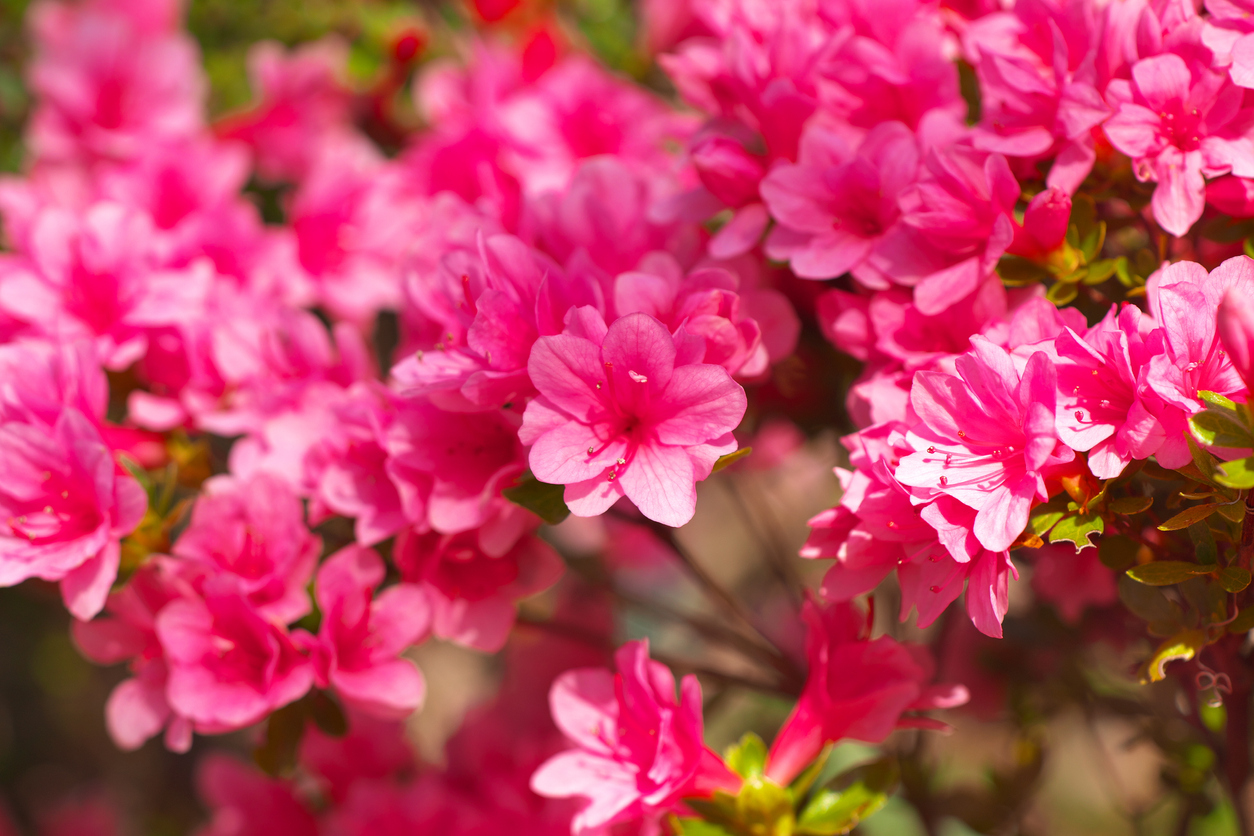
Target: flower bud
<point>1044,224</point>
<point>729,171</point>
<point>1232,195</point>
<point>1236,330</point>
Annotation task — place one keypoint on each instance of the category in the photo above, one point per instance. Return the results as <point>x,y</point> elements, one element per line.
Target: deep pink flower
<point>246,802</point>
<point>64,507</point>
<point>857,688</point>
<point>986,435</point>
<point>1103,406</point>
<point>836,206</point>
<point>362,634</point>
<point>475,579</point>
<point>623,411</point>
<point>1236,331</point>
<point>930,582</point>
<point>1180,123</point>
<point>1072,580</point>
<point>1044,225</point>
<point>638,751</point>
<point>229,666</point>
<point>253,530</point>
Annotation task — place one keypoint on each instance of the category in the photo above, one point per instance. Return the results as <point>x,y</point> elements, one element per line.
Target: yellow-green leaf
<point>1188,516</point>
<point>731,458</point>
<point>1167,572</point>
<point>1130,504</point>
<point>1234,578</point>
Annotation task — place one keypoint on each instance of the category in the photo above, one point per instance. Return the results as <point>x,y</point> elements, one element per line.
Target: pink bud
<point>1236,330</point>
<point>1044,224</point>
<point>729,171</point>
<point>1232,195</point>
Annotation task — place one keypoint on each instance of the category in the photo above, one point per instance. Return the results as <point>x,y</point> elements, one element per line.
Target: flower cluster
<point>264,454</point>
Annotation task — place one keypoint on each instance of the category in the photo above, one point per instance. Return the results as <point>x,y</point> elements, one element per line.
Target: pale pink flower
<point>625,411</point>
<point>857,688</point>
<point>986,436</point>
<point>229,666</point>
<point>98,276</point>
<point>836,206</point>
<point>1236,330</point>
<point>252,530</point>
<point>1180,123</point>
<point>107,84</point>
<point>638,750</point>
<point>362,634</point>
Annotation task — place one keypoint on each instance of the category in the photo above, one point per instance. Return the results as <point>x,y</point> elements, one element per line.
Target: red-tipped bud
<point>1236,331</point>
<point>1044,224</point>
<point>729,171</point>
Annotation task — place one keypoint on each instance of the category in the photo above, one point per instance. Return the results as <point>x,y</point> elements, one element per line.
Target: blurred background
<point>1059,739</point>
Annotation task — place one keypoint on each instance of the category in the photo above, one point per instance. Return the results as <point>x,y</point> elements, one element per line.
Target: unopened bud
<point>729,171</point>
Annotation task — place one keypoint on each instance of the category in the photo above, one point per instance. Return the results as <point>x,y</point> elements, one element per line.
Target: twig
<point>777,559</point>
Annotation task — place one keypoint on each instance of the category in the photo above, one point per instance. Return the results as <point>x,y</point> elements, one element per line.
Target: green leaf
<point>1091,244</point>
<point>1149,604</point>
<point>1204,548</point>
<point>1218,401</point>
<point>763,806</point>
<point>1234,579</point>
<point>849,799</point>
<point>1100,271</point>
<point>1182,646</point>
<point>1130,504</point>
<point>1061,293</point>
<point>731,458</point>
<point>696,827</point>
<point>540,498</point>
<point>1046,516</point>
<point>1237,474</point>
<point>1203,461</point>
<point>277,753</point>
<point>748,757</point>
<point>1188,516</point>
<point>803,782</point>
<point>1166,572</point>
<point>1077,530</point>
<point>1244,622</point>
<point>1020,272</point>
<point>1117,552</point>
<point>1214,429</point>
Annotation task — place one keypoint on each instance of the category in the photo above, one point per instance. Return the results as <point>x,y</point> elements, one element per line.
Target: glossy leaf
<point>1181,647</point>
<point>1130,504</point>
<point>1234,579</point>
<point>1077,530</point>
<point>1237,474</point>
<point>540,498</point>
<point>1167,572</point>
<point>748,757</point>
<point>731,458</point>
<point>1188,516</point>
<point>1215,429</point>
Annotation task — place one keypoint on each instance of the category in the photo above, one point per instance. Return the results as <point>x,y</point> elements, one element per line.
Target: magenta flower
<point>64,507</point>
<point>253,530</point>
<point>857,688</point>
<point>836,206</point>
<point>1104,406</point>
<point>620,413</point>
<point>1236,330</point>
<point>638,750</point>
<point>1180,124</point>
<point>362,634</point>
<point>229,666</point>
<point>986,435</point>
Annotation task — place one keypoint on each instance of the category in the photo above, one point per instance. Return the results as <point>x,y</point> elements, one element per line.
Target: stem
<point>780,562</point>
<point>1245,550</point>
<point>1237,754</point>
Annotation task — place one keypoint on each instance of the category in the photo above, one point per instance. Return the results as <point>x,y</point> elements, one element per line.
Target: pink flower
<point>1044,225</point>
<point>1180,123</point>
<point>137,708</point>
<point>475,579</point>
<point>98,277</point>
<point>450,467</point>
<point>956,224</point>
<point>639,751</point>
<point>1184,300</point>
<point>1072,580</point>
<point>245,802</point>
<point>705,304</point>
<point>301,103</point>
<point>108,84</point>
<point>362,634</point>
<point>1236,330</point>
<point>837,205</point>
<point>985,436</point>
<point>1103,403</point>
<point>64,507</point>
<point>253,530</point>
<point>857,689</point>
<point>623,411</point>
<point>229,666</point>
